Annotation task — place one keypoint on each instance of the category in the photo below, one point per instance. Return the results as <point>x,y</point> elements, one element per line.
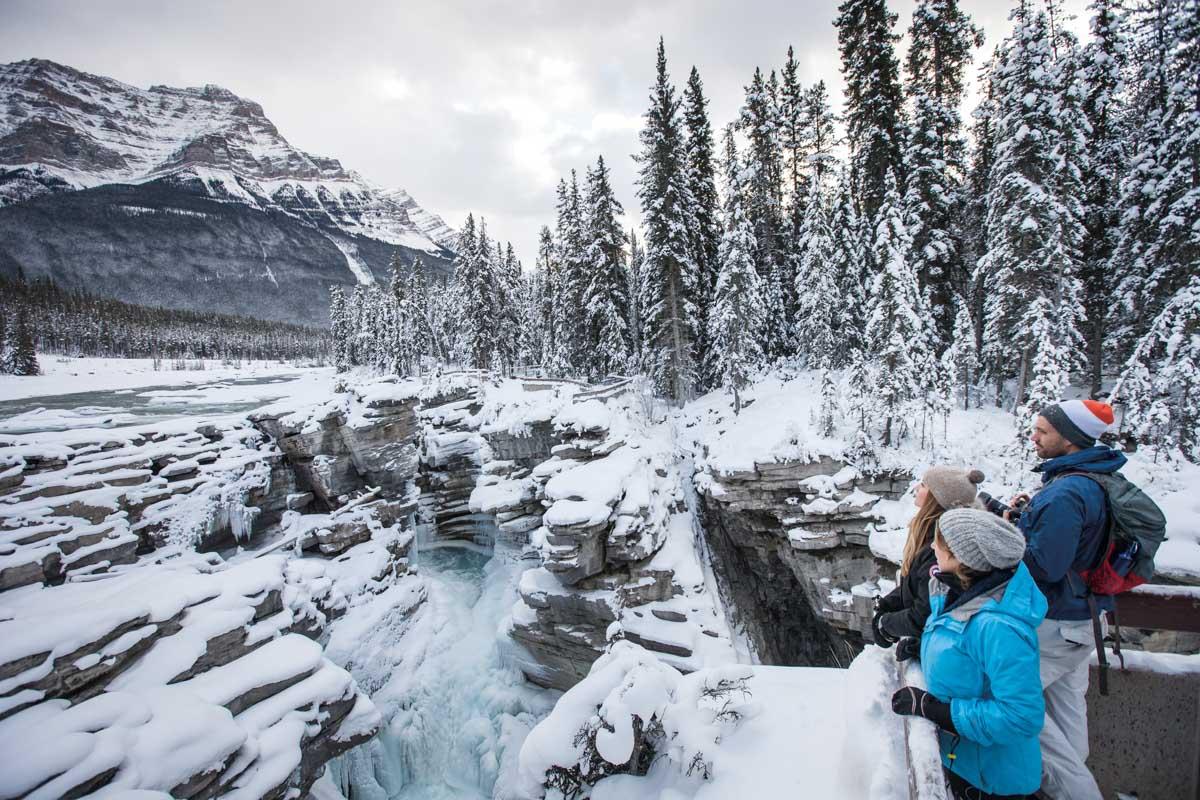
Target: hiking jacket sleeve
<point>908,619</point>
<point>1053,525</point>
<point>1013,707</point>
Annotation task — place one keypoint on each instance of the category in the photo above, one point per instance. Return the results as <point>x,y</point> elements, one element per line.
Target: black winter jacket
<point>907,606</point>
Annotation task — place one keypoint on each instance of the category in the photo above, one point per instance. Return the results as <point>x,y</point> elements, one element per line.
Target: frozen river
<point>109,408</point>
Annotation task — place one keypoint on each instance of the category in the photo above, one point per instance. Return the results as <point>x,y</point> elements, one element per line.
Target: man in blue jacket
<point>1065,527</point>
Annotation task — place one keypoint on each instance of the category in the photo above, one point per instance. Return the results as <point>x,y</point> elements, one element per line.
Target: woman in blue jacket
<point>980,654</point>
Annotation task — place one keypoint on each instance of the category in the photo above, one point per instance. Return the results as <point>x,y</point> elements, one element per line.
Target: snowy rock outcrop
<point>106,182</point>
<point>130,660</point>
<point>180,675</point>
<point>636,727</point>
<point>613,535</point>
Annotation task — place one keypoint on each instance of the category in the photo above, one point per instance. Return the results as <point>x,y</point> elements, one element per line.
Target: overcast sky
<point>470,106</point>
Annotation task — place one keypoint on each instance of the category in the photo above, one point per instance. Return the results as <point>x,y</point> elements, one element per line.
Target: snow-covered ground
<point>72,375</point>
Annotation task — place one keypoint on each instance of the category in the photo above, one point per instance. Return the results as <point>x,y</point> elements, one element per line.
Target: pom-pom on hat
<point>1079,421</point>
<point>952,487</point>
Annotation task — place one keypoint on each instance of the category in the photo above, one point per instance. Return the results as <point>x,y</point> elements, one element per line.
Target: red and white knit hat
<point>1079,421</point>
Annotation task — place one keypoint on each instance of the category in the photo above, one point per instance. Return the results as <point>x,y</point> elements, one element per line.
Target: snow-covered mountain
<point>163,195</point>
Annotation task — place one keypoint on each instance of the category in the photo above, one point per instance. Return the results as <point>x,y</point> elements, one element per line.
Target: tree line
<point>1053,239</point>
<point>40,316</point>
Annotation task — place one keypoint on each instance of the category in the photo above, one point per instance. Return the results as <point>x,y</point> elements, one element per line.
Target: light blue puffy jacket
<point>982,658</point>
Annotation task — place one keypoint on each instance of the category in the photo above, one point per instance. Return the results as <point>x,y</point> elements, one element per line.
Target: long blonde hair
<point>920,531</point>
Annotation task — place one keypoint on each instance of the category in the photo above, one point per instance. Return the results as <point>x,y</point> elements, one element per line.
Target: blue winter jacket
<point>1064,526</point>
<point>982,658</point>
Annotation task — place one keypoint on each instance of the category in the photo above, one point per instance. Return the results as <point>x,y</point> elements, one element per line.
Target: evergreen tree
<point>552,359</point>
<point>572,276</point>
<point>874,123</point>
<point>339,328</point>
<point>851,242</point>
<point>975,243</point>
<point>941,40</point>
<point>794,141</point>
<point>961,359</point>
<point>759,121</point>
<point>1103,64</point>
<point>1163,222</point>
<point>702,186</point>
<point>634,278</point>
<point>1034,213</point>
<point>605,297</point>
<point>896,333</point>
<point>1160,390</point>
<point>22,356</point>
<point>669,309</point>
<point>817,296</point>
<point>420,328</point>
<point>738,315</point>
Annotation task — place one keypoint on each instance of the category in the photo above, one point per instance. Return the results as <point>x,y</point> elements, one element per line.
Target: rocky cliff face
<point>602,509</point>
<point>789,544</point>
<point>181,671</point>
<point>189,198</point>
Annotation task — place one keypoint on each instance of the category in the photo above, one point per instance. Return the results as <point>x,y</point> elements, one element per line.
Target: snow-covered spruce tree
<point>1103,62</point>
<point>466,269</point>
<point>420,325</point>
<point>851,240</point>
<point>1160,228</point>
<point>634,278</point>
<point>1035,223</point>
<point>975,242</point>
<point>24,354</point>
<point>513,311</point>
<point>6,347</point>
<point>817,297</point>
<point>702,186</point>
<point>605,297</point>
<point>896,332</point>
<point>339,328</point>
<point>737,315</point>
<point>572,275</point>
<point>669,311</point>
<point>759,122</point>
<point>874,101</point>
<point>479,285</point>
<point>941,37</point>
<point>544,273</point>
<point>812,249</point>
<point>793,144</point>
<point>961,359</point>
<point>827,412</point>
<point>1160,391</point>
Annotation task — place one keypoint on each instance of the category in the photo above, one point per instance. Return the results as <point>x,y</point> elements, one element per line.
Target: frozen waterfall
<point>456,705</point>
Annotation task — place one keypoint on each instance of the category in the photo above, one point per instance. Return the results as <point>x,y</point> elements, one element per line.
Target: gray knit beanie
<point>952,487</point>
<point>981,540</point>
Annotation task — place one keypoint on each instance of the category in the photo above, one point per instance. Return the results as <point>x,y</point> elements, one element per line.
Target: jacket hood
<point>1017,597</point>
<point>1100,459</point>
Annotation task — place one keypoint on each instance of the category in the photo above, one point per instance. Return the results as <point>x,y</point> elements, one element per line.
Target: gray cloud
<point>470,106</point>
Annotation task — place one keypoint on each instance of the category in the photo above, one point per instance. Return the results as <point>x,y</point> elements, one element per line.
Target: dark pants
<point>965,791</point>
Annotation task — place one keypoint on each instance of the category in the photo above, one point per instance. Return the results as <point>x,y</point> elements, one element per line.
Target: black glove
<point>911,701</point>
<point>882,637</point>
<point>909,647</point>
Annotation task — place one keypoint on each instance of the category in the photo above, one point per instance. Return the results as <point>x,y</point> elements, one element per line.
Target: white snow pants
<point>1064,647</point>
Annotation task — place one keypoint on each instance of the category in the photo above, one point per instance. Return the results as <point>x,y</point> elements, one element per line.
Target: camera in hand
<point>999,508</point>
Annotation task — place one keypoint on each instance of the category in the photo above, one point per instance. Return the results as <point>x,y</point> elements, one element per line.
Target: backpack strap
<point>1097,629</point>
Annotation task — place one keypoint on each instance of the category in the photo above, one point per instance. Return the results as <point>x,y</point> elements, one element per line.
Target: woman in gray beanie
<point>900,616</point>
<point>980,657</point>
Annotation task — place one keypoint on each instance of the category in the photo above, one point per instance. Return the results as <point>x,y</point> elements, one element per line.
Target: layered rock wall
<point>789,545</point>
<point>179,671</point>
